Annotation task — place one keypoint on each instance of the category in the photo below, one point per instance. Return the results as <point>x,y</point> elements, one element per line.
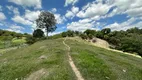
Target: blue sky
<point>20,15</point>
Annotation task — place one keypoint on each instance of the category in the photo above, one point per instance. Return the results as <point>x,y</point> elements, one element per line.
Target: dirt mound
<point>104,44</point>
<point>100,43</point>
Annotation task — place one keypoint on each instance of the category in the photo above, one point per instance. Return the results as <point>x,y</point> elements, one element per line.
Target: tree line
<point>127,41</point>
<point>9,35</point>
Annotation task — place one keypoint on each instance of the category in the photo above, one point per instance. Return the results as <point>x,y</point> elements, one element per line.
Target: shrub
<point>64,34</point>
<point>38,33</point>
<point>83,36</point>
<point>90,36</point>
<point>30,40</point>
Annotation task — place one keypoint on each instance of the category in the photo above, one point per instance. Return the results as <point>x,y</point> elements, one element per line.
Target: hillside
<point>48,60</point>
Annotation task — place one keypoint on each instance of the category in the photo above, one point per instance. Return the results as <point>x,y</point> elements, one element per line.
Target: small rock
<point>124,70</point>
<point>107,77</point>
<point>43,57</point>
<point>42,47</point>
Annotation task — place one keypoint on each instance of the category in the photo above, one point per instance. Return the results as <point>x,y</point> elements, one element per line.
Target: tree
<point>106,31</point>
<point>90,32</point>
<point>64,34</point>
<point>19,35</point>
<point>38,33</point>
<point>30,40</point>
<point>99,35</point>
<point>77,33</point>
<point>46,20</point>
<point>83,36</point>
<point>90,36</point>
<point>70,33</point>
<point>134,30</point>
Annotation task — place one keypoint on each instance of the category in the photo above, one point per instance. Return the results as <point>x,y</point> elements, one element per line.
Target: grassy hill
<point>47,60</point>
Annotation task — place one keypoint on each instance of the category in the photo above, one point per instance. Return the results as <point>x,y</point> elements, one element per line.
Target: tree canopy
<point>46,20</point>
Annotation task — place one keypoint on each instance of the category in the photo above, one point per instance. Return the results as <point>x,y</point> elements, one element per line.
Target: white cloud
<point>131,7</point>
<point>114,12</point>
<point>53,33</point>
<point>67,2</point>
<point>16,28</point>
<point>99,9</point>
<point>14,10</point>
<point>93,9</point>
<point>21,20</point>
<point>82,25</point>
<point>124,25</point>
<point>2,16</point>
<point>75,9</point>
<point>69,14</point>
<point>31,15</point>
<point>28,3</point>
<point>134,12</point>
<point>60,19</point>
<point>54,10</point>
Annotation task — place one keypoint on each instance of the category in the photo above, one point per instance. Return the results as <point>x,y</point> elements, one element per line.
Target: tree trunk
<point>46,31</point>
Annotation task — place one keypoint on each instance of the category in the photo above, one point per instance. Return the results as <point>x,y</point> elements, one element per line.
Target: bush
<point>90,32</point>
<point>99,35</point>
<point>64,34</point>
<point>70,33</point>
<point>90,36</point>
<point>55,36</point>
<point>38,33</point>
<point>30,40</point>
<point>83,36</point>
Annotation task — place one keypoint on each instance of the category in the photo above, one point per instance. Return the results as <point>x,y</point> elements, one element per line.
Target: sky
<point>77,15</point>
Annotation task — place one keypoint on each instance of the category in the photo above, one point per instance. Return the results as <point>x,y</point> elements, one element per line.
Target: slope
<point>48,60</point>
<point>45,60</point>
<point>97,63</point>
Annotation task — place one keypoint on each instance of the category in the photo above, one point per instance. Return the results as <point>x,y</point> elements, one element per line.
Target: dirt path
<point>74,68</point>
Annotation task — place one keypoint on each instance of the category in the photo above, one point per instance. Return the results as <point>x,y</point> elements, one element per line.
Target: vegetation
<point>100,64</point>
<point>46,20</point>
<point>48,59</point>
<point>127,41</point>
<point>51,57</point>
<point>38,33</point>
<point>11,39</point>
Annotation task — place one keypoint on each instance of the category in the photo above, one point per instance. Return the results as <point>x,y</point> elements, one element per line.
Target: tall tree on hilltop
<point>46,20</point>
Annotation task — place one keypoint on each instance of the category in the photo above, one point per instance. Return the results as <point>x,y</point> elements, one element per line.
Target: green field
<point>20,64</point>
<point>99,64</point>
<point>12,43</point>
<point>49,59</point>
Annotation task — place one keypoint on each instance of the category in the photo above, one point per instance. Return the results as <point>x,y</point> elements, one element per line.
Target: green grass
<point>1,44</point>
<point>12,43</point>
<point>94,63</point>
<point>25,61</point>
<point>100,64</point>
<point>19,40</point>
